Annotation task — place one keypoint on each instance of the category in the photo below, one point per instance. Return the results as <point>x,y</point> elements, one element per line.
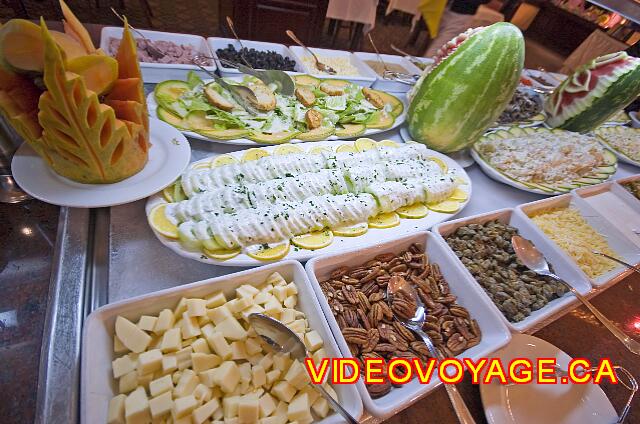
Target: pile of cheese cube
<point>202,363</point>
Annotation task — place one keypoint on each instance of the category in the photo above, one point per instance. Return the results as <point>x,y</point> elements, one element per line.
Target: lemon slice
<point>415,211</point>
<point>351,230</point>
<point>222,254</point>
<point>460,180</point>
<point>388,143</point>
<point>363,144</point>
<point>319,150</point>
<point>223,160</point>
<point>314,240</point>
<point>448,206</point>
<point>287,149</point>
<point>159,222</point>
<point>385,220</point>
<point>254,154</point>
<point>268,252</point>
<point>346,148</point>
<point>459,194</point>
<point>201,165</point>
<point>167,193</point>
<point>440,163</point>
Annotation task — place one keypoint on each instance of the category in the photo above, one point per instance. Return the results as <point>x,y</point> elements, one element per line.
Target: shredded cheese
<point>569,230</point>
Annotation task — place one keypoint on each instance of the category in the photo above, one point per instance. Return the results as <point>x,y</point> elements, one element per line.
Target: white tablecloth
<point>407,6</point>
<point>361,11</point>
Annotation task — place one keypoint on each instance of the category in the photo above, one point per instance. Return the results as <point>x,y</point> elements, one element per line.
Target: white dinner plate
<point>340,244</point>
<point>152,105</point>
<point>543,403</point>
<point>169,155</point>
<point>461,157</point>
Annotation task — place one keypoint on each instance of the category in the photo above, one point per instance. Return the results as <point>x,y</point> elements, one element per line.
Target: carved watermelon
<point>594,92</point>
<point>471,82</point>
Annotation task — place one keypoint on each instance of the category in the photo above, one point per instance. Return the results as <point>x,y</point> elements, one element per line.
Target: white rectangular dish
<point>562,265</point>
<point>384,84</point>
<point>366,77</point>
<point>494,332</point>
<point>216,43</point>
<point>616,205</point>
<point>157,72</point>
<point>627,251</point>
<point>97,385</point>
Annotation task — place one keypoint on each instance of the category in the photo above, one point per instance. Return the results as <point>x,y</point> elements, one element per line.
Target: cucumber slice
<point>228,134</point>
<point>607,169</point>
<point>171,119</point>
<point>397,107</point>
<point>169,91</point>
<point>351,130</point>
<point>307,80</point>
<point>610,157</point>
<point>515,131</point>
<point>178,193</point>
<point>316,134</point>
<point>274,138</point>
<point>380,119</point>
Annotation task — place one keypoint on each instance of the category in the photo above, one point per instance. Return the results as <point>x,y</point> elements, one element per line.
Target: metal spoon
<point>282,339</point>
<point>533,259</point>
<point>415,324</point>
<point>235,34</point>
<point>281,79</point>
<point>628,265</point>
<point>319,65</point>
<point>153,50</point>
<point>388,74</point>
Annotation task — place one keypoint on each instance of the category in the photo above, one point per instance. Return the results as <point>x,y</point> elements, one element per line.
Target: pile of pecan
<point>357,297</point>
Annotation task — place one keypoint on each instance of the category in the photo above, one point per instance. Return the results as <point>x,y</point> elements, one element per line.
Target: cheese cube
<point>329,389</point>
<point>273,307</point>
<point>175,377</point>
<point>164,322</point>
<point>245,372</point>
<point>253,309</point>
<point>280,292</point>
<point>218,414</point>
<point>186,385</point>
<point>230,406</point>
<point>183,406</point>
<point>255,359</point>
<point>282,361</point>
<point>201,414</point>
<point>116,410</point>
<point>290,301</point>
<point>169,363</point>
<point>144,380</point>
<point>216,299</point>
<point>208,377</point>
<point>122,365</point>
<point>239,304</point>
<point>313,341</point>
<point>321,407</point>
<point>227,376</point>
<point>252,346</point>
<point>292,289</point>
<point>311,392</point>
<point>160,385</point>
<point>196,307</point>
<point>188,342</point>
<point>203,361</point>
<point>207,330</point>
<point>184,420</point>
<point>275,419</point>
<point>282,409</point>
<point>248,409</point>
<point>297,375</point>
<point>203,320</point>
<point>272,376</point>
<point>171,340</point>
<point>161,404</point>
<point>219,314</point>
<point>238,350</point>
<point>300,409</point>
<point>202,393</point>
<point>319,355</point>
<point>131,336</point>
<point>149,361</point>
<point>247,290</point>
<point>283,391</point>
<point>231,329</point>
<point>128,382</point>
<point>262,297</point>
<point>267,361</point>
<point>258,376</point>
<point>136,407</point>
<point>219,345</point>
<point>276,279</point>
<point>297,326</point>
<point>118,347</point>
<point>184,354</point>
<point>190,327</point>
<point>287,315</point>
<point>267,405</point>
<point>182,306</point>
<point>147,323</point>
<point>200,346</point>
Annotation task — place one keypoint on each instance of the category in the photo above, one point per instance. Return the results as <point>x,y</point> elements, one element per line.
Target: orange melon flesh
<point>99,72</point>
<point>126,89</point>
<point>71,47</point>
<point>21,46</point>
<point>74,28</point>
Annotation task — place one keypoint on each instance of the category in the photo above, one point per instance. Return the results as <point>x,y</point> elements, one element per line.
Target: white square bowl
<point>494,332</point>
<point>97,384</point>
<point>366,78</point>
<point>384,84</point>
<point>616,205</point>
<point>216,43</point>
<point>158,72</point>
<point>617,241</point>
<point>618,187</point>
<point>562,265</point>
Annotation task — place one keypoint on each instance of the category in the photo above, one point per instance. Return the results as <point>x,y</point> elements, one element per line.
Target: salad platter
<point>299,201</point>
<point>623,141</point>
<point>544,161</point>
<point>319,110</point>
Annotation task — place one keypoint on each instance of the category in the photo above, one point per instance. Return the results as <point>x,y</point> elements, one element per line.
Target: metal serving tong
<point>388,74</point>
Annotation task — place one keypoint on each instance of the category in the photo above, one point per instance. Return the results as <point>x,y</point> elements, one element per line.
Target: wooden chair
<point>596,44</point>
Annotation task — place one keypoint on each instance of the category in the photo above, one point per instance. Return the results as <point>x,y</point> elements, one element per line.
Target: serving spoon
<point>283,340</point>
<point>611,258</point>
<point>533,259</point>
<point>388,74</point>
<point>281,79</point>
<point>415,324</point>
<point>319,65</point>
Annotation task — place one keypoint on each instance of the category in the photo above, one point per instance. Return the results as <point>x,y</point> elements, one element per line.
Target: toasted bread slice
<point>265,99</point>
<point>305,96</point>
<point>332,89</point>
<point>217,100</point>
<point>313,119</point>
<point>373,98</point>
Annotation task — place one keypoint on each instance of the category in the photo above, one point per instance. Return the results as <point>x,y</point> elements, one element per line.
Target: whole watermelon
<point>472,81</point>
<point>594,92</point>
